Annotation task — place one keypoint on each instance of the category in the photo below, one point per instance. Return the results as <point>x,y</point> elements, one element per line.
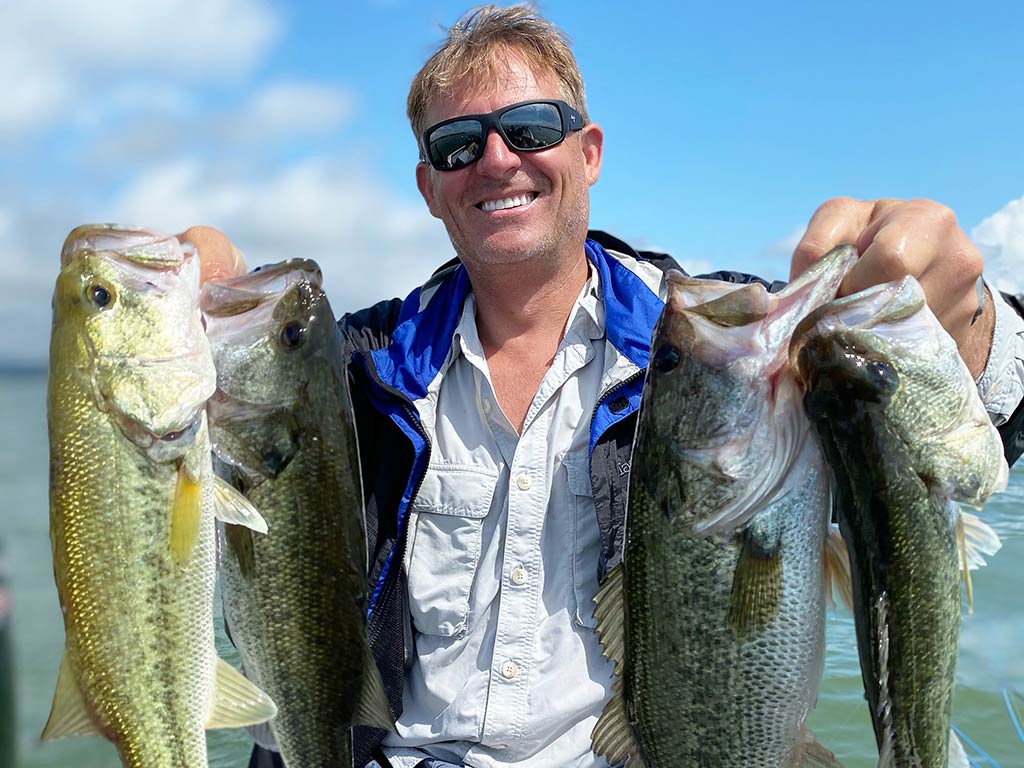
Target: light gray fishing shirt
<point>502,561</point>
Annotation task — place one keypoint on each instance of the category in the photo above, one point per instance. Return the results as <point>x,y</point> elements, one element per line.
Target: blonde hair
<point>477,49</point>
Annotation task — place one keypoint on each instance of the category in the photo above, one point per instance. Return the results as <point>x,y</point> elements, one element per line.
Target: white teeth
<point>508,202</point>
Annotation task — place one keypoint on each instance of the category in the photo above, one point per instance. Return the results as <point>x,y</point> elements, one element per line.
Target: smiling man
<point>497,403</point>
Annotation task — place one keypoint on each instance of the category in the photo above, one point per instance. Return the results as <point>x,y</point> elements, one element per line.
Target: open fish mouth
<point>133,245</point>
<point>169,441</point>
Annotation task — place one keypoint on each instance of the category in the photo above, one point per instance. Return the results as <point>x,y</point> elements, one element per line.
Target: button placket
<point>514,636</point>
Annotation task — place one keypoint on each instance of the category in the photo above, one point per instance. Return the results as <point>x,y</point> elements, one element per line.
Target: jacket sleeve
<point>1002,382</point>
<point>370,328</point>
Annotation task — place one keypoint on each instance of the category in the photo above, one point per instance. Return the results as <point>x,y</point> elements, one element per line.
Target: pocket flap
<point>578,471</point>
<point>452,489</point>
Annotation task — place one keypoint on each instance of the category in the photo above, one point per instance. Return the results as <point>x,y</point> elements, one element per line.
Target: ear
<point>592,141</point>
<point>425,183</point>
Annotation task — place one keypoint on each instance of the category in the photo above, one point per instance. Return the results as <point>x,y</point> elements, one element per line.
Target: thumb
<point>218,257</point>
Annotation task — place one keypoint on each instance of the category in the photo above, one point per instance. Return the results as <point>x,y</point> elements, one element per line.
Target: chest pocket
<point>586,539</point>
<point>444,551</point>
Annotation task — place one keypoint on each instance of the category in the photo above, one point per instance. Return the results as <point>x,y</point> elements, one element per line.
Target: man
<point>496,405</point>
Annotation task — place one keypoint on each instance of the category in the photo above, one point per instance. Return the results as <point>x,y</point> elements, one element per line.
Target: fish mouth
<point>238,295</point>
<point>148,439</point>
<point>135,245</point>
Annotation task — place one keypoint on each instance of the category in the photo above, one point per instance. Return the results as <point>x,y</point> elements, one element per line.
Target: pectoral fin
<point>756,582</point>
<point>186,513</point>
<point>69,715</point>
<point>810,754</point>
<point>974,539</point>
<point>230,506</point>
<point>240,546</point>
<point>838,576</point>
<point>236,701</point>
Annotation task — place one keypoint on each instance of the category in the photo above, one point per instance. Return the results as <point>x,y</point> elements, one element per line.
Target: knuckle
<point>837,206</point>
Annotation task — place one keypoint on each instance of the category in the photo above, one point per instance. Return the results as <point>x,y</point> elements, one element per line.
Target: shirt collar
<point>586,321</point>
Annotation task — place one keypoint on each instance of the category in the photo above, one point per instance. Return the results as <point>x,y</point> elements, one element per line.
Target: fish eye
<point>666,357</point>
<point>293,335</point>
<point>99,295</point>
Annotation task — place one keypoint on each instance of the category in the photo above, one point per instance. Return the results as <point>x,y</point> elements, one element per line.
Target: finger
<point>915,238</point>
<point>218,257</point>
<point>839,220</point>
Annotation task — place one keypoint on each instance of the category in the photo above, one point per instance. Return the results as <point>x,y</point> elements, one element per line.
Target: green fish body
<point>283,432</point>
<point>722,581</point>
<point>904,432</point>
<point>132,504</point>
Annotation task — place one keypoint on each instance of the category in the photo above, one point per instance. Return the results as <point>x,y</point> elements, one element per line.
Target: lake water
<point>990,658</point>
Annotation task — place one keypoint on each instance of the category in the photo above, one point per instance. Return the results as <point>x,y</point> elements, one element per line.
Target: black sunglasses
<point>527,126</point>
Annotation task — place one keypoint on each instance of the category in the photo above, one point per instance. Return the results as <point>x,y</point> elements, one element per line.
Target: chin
<point>503,249</point>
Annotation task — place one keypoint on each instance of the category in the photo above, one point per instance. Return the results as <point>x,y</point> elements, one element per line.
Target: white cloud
<point>369,243</point>
<point>1000,238</point>
<point>287,109</point>
<point>54,54</point>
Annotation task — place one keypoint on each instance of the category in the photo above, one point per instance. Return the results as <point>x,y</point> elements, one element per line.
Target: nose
<point>497,159</point>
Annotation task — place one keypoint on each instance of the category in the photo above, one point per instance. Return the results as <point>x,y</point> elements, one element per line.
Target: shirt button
<point>518,575</point>
<point>523,482</point>
<point>487,407</point>
<point>509,669</point>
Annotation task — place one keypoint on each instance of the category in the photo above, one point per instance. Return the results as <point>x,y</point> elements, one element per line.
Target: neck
<point>526,302</point>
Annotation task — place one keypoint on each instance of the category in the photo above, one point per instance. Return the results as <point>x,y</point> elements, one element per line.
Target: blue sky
<point>284,125</point>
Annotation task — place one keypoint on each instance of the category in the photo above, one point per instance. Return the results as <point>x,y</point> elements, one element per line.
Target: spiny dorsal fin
<point>236,701</point>
<point>883,706</point>
<point>613,735</point>
<point>372,708</point>
<point>69,715</point>
<point>230,506</point>
<point>609,610</point>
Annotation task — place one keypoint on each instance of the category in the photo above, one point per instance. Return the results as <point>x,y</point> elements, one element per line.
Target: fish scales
<point>727,518</point>
<point>283,429</point>
<point>903,431</point>
<point>129,374</point>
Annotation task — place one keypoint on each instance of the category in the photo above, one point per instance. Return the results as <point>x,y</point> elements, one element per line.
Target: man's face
<point>552,185</point>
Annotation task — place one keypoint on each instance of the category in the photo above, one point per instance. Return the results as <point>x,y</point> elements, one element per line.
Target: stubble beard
<point>568,232</point>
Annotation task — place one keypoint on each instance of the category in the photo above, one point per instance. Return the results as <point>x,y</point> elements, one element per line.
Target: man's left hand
<point>896,238</point>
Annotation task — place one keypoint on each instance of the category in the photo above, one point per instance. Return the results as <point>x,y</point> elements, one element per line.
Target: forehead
<point>506,81</point>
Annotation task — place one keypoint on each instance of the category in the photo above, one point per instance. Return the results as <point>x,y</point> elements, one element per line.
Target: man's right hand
<point>218,258</point>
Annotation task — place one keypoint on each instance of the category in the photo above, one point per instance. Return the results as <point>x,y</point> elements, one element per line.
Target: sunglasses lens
<point>533,126</point>
<point>455,145</point>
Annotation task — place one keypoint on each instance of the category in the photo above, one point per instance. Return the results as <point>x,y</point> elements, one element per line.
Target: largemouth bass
<point>284,433</point>
<point>132,502</point>
<point>722,581</point>
<point>904,432</point>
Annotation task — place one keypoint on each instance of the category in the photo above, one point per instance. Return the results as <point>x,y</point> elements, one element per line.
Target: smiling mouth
<point>516,201</point>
